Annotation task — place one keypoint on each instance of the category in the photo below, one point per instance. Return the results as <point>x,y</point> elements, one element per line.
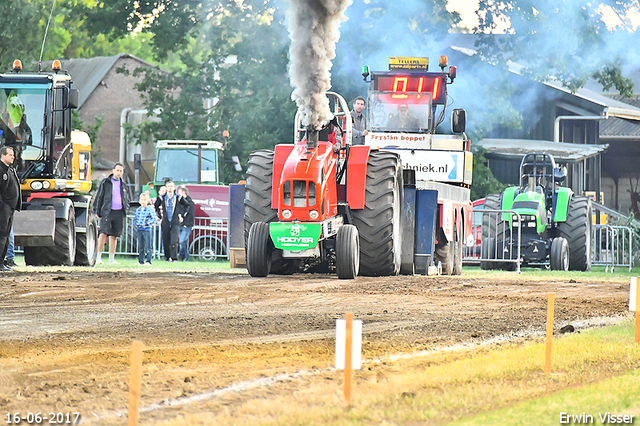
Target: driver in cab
<point>403,120</point>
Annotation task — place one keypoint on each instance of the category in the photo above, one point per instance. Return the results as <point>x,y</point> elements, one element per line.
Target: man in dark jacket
<point>10,200</point>
<point>111,205</point>
<point>187,222</point>
<point>169,205</point>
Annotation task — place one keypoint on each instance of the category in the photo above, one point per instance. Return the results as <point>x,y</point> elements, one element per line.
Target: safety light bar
<point>17,65</point>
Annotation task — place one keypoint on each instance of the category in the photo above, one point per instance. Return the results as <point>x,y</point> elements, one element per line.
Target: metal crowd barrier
<point>612,246</point>
<point>497,249</point>
<point>208,240</point>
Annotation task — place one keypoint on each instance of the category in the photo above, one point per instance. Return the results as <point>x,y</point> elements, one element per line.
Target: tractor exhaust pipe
<point>312,138</point>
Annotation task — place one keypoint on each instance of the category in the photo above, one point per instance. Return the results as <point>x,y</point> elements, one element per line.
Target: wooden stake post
<point>135,383</point>
<point>549,339</point>
<point>634,303</point>
<point>347,358</point>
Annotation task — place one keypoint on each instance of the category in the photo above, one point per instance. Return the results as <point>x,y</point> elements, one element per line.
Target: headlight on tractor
<point>286,214</point>
<point>36,185</point>
<point>46,184</point>
<point>313,214</point>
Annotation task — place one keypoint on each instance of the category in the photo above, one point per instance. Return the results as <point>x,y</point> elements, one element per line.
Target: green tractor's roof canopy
<point>561,151</point>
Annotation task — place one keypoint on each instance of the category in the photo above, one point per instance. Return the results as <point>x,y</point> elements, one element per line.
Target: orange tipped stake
<point>347,357</point>
<point>135,383</point>
<point>549,339</point>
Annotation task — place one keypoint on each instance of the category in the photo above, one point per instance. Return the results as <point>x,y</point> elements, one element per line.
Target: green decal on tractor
<point>295,236</point>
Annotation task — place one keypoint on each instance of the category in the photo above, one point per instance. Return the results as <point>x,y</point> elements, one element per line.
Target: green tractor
<point>555,224</point>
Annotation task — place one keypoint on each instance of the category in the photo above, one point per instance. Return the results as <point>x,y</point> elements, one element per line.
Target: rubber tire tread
<point>347,252</point>
<point>457,257</point>
<point>577,231</point>
<point>84,255</point>
<point>257,204</point>
<point>377,229</point>
<point>61,254</point>
<point>558,247</point>
<point>445,254</point>
<point>259,250</point>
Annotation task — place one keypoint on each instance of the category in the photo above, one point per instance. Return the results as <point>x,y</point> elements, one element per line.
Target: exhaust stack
<point>312,138</point>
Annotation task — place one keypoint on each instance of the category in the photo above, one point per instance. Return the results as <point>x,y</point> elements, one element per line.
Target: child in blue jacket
<point>145,220</point>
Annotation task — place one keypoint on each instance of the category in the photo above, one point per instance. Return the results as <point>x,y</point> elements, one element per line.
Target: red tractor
<point>398,204</point>
<point>332,206</point>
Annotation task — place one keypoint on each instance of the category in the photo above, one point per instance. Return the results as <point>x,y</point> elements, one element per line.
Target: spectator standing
<point>169,205</point>
<point>111,204</point>
<point>186,223</point>
<point>9,259</point>
<point>359,121</point>
<point>145,220</point>
<point>10,200</point>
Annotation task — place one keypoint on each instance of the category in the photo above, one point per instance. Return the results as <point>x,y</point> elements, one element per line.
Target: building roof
<point>617,128</point>
<point>88,73</point>
<point>562,152</point>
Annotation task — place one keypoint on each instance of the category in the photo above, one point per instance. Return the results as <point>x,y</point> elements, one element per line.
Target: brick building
<point>112,96</point>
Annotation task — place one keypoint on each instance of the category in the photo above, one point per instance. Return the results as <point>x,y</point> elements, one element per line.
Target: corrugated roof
<point>617,128</point>
<point>561,151</point>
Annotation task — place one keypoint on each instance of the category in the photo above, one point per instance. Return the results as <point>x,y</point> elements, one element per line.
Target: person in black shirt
<point>10,199</point>
<point>187,220</point>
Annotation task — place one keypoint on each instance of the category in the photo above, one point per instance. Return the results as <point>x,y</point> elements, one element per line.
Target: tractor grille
<point>303,194</point>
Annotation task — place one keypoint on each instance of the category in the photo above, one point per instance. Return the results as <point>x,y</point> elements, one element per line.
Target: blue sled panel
<point>236,216</point>
<point>426,212</point>
<point>408,230</point>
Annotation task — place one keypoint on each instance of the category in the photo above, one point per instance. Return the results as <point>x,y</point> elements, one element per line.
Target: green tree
<point>20,36</point>
<point>232,76</point>
<point>568,40</point>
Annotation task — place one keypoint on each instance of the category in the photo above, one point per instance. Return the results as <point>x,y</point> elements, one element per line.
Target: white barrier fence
<point>612,246</point>
<point>208,240</point>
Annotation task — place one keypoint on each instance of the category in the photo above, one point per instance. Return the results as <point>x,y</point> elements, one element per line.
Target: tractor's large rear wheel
<point>257,205</point>
<point>64,250</point>
<point>87,242</point>
<point>347,252</point>
<point>449,253</point>
<point>445,253</point>
<point>379,222</point>
<point>577,231</point>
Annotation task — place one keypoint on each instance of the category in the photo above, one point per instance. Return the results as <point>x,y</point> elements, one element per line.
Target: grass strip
<point>498,385</point>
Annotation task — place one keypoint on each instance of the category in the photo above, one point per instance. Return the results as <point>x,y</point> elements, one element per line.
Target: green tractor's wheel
<point>347,252</point>
<point>577,231</point>
<point>259,250</point>
<point>257,205</point>
<point>559,257</point>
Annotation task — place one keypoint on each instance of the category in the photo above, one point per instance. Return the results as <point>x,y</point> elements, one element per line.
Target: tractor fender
<point>279,159</point>
<point>60,204</point>
<point>357,175</point>
<point>562,198</point>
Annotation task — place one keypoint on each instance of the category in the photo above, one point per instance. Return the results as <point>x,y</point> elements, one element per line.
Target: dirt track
<point>66,335</point>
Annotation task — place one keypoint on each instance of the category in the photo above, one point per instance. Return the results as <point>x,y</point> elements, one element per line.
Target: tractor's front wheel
<point>259,250</point>
<point>257,205</point>
<point>347,252</point>
<point>577,231</point>
<point>559,257</point>
<point>379,222</point>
